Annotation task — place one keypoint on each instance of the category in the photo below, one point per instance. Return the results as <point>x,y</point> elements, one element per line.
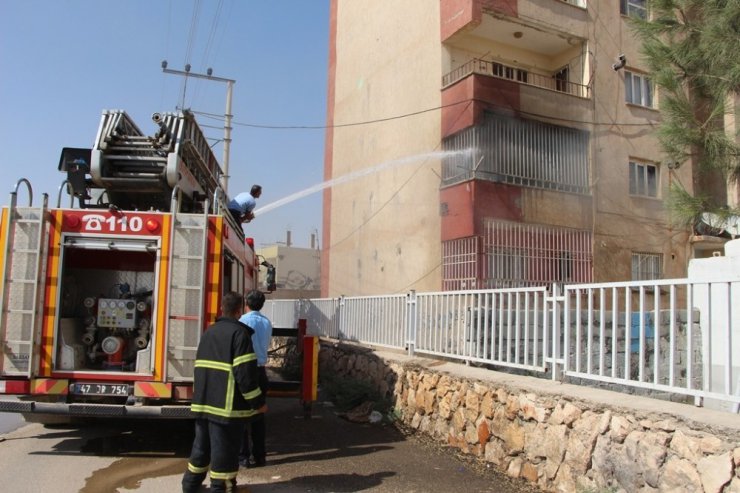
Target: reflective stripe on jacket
<point>226,379</point>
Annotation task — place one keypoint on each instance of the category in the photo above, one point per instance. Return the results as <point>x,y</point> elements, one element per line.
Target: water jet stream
<point>357,174</point>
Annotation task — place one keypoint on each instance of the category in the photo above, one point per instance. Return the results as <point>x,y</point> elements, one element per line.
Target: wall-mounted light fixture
<point>622,61</point>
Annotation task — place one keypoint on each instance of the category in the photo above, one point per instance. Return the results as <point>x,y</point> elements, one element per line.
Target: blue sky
<point>62,62</point>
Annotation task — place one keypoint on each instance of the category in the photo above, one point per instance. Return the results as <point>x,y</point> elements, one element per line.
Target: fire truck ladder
<point>145,169</point>
<point>186,305</point>
<point>22,271</point>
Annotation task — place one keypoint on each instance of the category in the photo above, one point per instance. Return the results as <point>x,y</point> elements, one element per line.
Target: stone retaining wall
<point>561,437</point>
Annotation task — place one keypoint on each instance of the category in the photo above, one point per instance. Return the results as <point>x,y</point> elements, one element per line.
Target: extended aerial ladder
<point>134,171</point>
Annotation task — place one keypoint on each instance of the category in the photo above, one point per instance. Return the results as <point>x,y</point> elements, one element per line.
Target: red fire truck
<point>103,302</point>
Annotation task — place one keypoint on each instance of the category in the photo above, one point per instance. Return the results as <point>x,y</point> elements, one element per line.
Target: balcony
<point>520,152</point>
<point>478,18</point>
<point>557,81</point>
<point>544,46</point>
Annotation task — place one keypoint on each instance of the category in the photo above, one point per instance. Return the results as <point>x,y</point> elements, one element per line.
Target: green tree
<point>692,48</point>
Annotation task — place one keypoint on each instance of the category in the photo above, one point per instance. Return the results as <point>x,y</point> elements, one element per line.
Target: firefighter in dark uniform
<point>226,394</point>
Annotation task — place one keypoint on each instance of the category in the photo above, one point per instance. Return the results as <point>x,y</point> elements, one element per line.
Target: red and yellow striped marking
<point>49,386</point>
<point>3,240</point>
<point>50,293</point>
<point>162,299</point>
<point>156,390</point>
<point>215,259</point>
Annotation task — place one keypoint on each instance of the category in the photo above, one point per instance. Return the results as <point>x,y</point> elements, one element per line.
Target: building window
<point>505,72</point>
<point>635,8</point>
<point>565,267</point>
<point>460,263</point>
<point>647,266</point>
<point>643,179</point>
<point>520,254</point>
<point>520,152</point>
<point>638,89</point>
<point>500,70</point>
<point>561,79</point>
<point>506,267</point>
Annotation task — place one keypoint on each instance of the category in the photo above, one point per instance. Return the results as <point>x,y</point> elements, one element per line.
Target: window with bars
<point>460,264</point>
<point>506,267</point>
<point>634,8</point>
<point>647,266</point>
<point>565,267</point>
<point>520,152</point>
<point>512,254</point>
<point>520,254</point>
<point>644,179</point>
<point>638,89</point>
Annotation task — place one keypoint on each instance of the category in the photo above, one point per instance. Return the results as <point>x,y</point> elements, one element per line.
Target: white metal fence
<point>505,327</point>
<point>668,336</point>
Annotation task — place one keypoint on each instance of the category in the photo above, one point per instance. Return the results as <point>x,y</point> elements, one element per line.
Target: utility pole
<point>227,116</point>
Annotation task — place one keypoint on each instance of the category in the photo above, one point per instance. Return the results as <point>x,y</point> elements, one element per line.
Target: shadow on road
<point>290,438</point>
<point>337,483</point>
<point>324,453</point>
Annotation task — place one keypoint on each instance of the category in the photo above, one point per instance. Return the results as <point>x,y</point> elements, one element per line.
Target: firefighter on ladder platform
<point>242,206</point>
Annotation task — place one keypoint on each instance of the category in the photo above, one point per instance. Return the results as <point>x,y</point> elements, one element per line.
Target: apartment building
<point>495,143</point>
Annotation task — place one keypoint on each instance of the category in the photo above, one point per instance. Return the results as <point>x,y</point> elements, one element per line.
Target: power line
<point>191,43</point>
<point>193,31</point>
<point>212,33</point>
<point>207,50</point>
<point>406,115</point>
<point>319,127</point>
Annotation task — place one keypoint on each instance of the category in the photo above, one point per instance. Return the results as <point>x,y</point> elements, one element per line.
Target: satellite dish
<point>710,224</point>
<point>715,225</point>
<point>732,226</point>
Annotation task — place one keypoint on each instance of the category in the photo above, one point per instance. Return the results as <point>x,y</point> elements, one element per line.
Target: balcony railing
<point>516,255</point>
<point>515,74</point>
<point>521,152</point>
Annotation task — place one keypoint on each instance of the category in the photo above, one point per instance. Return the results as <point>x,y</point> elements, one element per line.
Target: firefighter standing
<point>226,394</point>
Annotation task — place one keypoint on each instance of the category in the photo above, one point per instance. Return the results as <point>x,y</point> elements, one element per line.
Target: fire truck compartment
<point>106,305</point>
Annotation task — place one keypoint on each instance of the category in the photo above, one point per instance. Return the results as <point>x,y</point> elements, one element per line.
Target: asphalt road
<point>323,454</point>
<point>9,421</point>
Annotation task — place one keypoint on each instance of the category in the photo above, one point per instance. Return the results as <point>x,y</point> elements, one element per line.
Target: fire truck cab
<point>103,302</point>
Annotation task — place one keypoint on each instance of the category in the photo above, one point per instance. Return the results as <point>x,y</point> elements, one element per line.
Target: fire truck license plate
<point>119,389</point>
